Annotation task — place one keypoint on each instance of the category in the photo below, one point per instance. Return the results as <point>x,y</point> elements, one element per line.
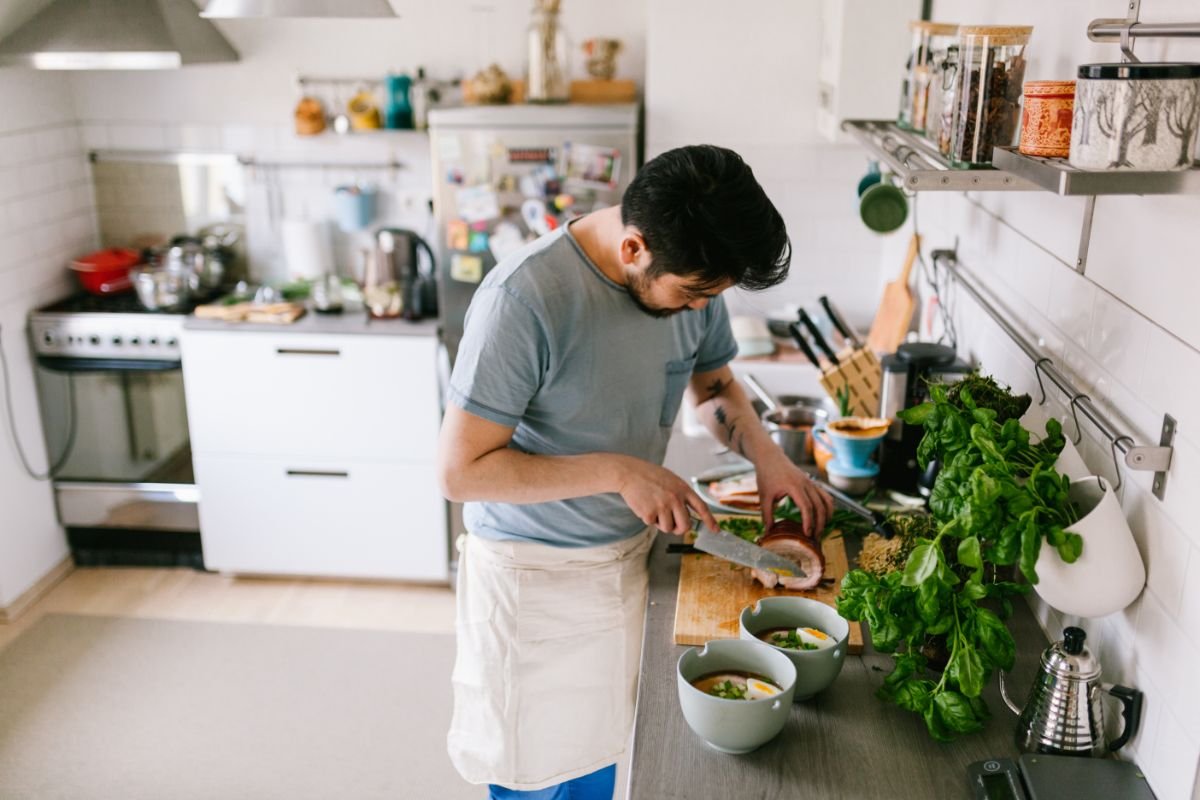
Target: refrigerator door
<point>504,175</point>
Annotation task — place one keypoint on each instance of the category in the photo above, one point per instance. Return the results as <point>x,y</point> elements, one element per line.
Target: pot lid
<point>1140,71</point>
<point>112,258</point>
<point>925,355</point>
<point>1070,658</point>
<point>115,34</point>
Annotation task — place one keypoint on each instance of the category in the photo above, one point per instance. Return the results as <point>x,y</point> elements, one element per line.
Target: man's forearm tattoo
<point>733,439</point>
<point>715,389</point>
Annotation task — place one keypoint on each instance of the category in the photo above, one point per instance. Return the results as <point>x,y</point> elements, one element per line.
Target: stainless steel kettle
<point>1064,714</point>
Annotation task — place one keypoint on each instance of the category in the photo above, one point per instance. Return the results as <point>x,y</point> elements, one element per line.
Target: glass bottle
<point>991,73</point>
<point>930,41</point>
<point>547,76</point>
<point>939,113</point>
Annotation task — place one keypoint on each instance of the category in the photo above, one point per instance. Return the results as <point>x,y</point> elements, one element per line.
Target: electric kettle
<point>1064,714</point>
<point>398,281</point>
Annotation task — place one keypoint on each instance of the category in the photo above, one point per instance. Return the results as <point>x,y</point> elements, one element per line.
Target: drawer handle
<point>317,473</point>
<point>294,351</point>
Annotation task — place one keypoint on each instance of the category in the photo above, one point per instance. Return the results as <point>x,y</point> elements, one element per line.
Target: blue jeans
<point>597,786</point>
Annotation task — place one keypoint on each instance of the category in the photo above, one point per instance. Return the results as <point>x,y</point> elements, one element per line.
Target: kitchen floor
<point>190,595</point>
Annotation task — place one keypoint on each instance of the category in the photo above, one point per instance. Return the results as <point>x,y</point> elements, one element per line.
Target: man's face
<point>664,295</point>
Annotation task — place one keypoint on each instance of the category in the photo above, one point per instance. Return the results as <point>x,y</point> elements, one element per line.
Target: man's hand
<point>778,478</point>
<point>659,497</point>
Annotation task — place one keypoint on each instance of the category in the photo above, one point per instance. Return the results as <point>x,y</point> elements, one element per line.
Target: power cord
<point>931,275</point>
<point>57,464</point>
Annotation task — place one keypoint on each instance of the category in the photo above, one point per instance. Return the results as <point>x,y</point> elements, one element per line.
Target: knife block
<point>860,371</point>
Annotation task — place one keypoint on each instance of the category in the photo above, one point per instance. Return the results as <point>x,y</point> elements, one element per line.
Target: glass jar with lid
<point>987,110</point>
<point>930,40</point>
<point>939,113</point>
<point>547,75</point>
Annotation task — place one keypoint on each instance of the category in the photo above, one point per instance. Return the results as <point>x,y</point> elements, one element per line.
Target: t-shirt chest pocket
<point>679,372</point>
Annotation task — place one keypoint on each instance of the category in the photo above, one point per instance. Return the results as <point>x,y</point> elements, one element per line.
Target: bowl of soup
<point>736,695</point>
<point>810,634</point>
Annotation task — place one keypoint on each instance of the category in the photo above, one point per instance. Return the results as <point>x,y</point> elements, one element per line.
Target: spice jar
<point>943,88</point>
<point>547,78</point>
<point>930,40</point>
<point>1136,116</point>
<point>1046,118</point>
<point>987,109</point>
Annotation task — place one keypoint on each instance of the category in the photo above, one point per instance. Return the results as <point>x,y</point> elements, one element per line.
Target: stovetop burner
<point>125,303</point>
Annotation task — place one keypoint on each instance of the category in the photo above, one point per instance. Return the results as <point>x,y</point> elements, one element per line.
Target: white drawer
<point>280,394</point>
<point>292,517</point>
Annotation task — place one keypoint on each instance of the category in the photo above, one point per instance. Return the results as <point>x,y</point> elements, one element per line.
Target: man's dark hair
<point>703,215</point>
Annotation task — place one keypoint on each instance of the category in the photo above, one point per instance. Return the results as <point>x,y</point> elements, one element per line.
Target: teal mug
<point>852,440</point>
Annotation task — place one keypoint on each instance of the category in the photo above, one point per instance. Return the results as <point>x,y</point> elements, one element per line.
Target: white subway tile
<point>1189,601</point>
<point>16,149</point>
<point>238,138</point>
<point>1118,339</point>
<point>1164,548</point>
<point>201,138</point>
<point>94,136</point>
<point>1172,770</point>
<point>1143,745</point>
<point>136,136</point>
<point>1171,377</point>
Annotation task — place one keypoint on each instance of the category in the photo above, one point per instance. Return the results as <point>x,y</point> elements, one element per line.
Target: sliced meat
<point>787,539</point>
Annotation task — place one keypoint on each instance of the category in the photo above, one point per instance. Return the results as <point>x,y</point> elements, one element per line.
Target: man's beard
<point>638,287</point>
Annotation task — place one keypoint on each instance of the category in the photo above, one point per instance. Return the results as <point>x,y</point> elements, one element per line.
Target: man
<point>576,356</point>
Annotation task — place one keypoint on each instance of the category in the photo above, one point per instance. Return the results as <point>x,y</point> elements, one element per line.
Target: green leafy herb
<point>728,690</point>
<point>748,528</point>
<point>996,499</point>
<point>791,641</point>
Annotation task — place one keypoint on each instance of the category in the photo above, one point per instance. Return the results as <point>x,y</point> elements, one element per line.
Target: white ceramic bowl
<point>815,669</point>
<point>735,726</point>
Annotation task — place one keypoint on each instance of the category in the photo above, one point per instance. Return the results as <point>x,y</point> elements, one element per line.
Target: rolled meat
<point>787,538</point>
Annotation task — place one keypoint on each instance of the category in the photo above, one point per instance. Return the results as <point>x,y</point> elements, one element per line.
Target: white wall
<point>745,77</point>
<point>46,217</point>
<point>1129,334</point>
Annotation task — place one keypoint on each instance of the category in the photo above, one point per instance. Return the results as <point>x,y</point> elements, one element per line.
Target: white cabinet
<point>863,51</point>
<point>314,453</point>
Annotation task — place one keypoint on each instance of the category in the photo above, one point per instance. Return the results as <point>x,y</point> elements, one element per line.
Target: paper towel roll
<point>307,248</point>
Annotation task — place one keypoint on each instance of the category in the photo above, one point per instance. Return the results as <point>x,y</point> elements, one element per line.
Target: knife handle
<point>801,342</point>
<point>818,338</point>
<point>839,322</point>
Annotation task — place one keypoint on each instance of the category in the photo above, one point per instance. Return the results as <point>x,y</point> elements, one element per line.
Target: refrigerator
<point>504,175</point>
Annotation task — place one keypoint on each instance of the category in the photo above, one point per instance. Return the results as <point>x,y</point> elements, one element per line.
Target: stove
<point>118,327</point>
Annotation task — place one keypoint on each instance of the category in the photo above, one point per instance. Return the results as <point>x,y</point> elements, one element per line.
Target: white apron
<point>549,650</point>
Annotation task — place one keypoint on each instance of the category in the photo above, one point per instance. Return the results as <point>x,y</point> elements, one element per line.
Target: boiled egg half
<point>757,690</point>
<point>815,637</point>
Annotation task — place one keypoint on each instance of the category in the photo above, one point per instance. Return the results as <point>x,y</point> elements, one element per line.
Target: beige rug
<point>125,709</point>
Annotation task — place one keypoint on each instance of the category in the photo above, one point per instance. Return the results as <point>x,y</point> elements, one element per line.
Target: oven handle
<point>73,364</point>
<point>300,351</point>
<point>317,473</point>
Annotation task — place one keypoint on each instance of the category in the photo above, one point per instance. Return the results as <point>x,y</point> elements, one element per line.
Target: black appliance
<point>402,250</point>
<point>907,374</point>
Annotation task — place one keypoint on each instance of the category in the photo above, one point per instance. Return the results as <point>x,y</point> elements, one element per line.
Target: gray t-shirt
<point>560,352</point>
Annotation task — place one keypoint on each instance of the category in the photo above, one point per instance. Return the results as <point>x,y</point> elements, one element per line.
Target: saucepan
<point>790,420</point>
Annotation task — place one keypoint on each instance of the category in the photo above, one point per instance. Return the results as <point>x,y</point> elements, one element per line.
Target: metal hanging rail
<point>1147,458</point>
<point>1131,27</point>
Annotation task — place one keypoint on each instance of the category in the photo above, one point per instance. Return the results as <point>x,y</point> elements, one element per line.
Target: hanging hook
<point>1075,414</point>
<point>1037,370</point>
<point>1116,463</point>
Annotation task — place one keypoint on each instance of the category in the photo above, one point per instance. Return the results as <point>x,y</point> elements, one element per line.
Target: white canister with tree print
<point>1136,117</point>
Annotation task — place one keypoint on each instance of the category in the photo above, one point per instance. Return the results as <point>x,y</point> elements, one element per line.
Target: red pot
<point>106,271</point>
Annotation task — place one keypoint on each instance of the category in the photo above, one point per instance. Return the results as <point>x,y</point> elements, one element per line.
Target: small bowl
<point>735,726</point>
<point>815,669</point>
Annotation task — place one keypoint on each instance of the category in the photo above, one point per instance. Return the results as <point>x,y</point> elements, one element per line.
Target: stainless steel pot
<point>790,427</point>
<point>163,289</point>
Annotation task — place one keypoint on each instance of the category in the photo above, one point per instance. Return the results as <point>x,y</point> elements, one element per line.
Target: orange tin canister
<point>1046,119</point>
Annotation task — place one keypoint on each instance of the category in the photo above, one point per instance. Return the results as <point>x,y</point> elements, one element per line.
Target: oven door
<point>117,431</point>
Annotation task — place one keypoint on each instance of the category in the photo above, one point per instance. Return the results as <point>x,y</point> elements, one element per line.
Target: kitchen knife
<point>725,545</point>
<point>878,520</point>
<point>805,347</point>
<point>839,322</point>
<point>818,338</point>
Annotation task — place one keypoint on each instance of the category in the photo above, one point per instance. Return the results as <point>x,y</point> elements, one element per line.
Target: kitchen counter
<point>312,322</point>
<point>844,743</point>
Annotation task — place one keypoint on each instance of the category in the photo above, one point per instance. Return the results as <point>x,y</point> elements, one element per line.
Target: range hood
<point>116,34</point>
<point>243,9</point>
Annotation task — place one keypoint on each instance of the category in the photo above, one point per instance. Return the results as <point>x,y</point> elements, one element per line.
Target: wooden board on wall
<point>713,592</point>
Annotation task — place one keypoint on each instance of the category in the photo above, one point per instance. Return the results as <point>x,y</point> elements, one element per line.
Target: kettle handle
<point>1007,700</point>
<point>1131,710</point>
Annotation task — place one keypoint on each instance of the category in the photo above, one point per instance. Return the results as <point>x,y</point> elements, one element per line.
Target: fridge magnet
<point>466,269</point>
<point>532,155</point>
<point>477,203</point>
<point>591,165</point>
<point>505,240</point>
<point>454,176</point>
<point>506,183</point>
<point>533,212</point>
<point>456,234</point>
<point>478,242</point>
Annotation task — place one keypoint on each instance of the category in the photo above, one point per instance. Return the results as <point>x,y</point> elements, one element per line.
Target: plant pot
<point>1109,574</point>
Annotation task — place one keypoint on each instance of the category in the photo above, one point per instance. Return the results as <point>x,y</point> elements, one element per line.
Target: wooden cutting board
<point>713,592</point>
<point>895,313</point>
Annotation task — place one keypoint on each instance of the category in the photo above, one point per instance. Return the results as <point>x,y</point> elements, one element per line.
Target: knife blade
<point>801,342</point>
<point>818,338</point>
<point>839,322</point>
<point>725,545</point>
